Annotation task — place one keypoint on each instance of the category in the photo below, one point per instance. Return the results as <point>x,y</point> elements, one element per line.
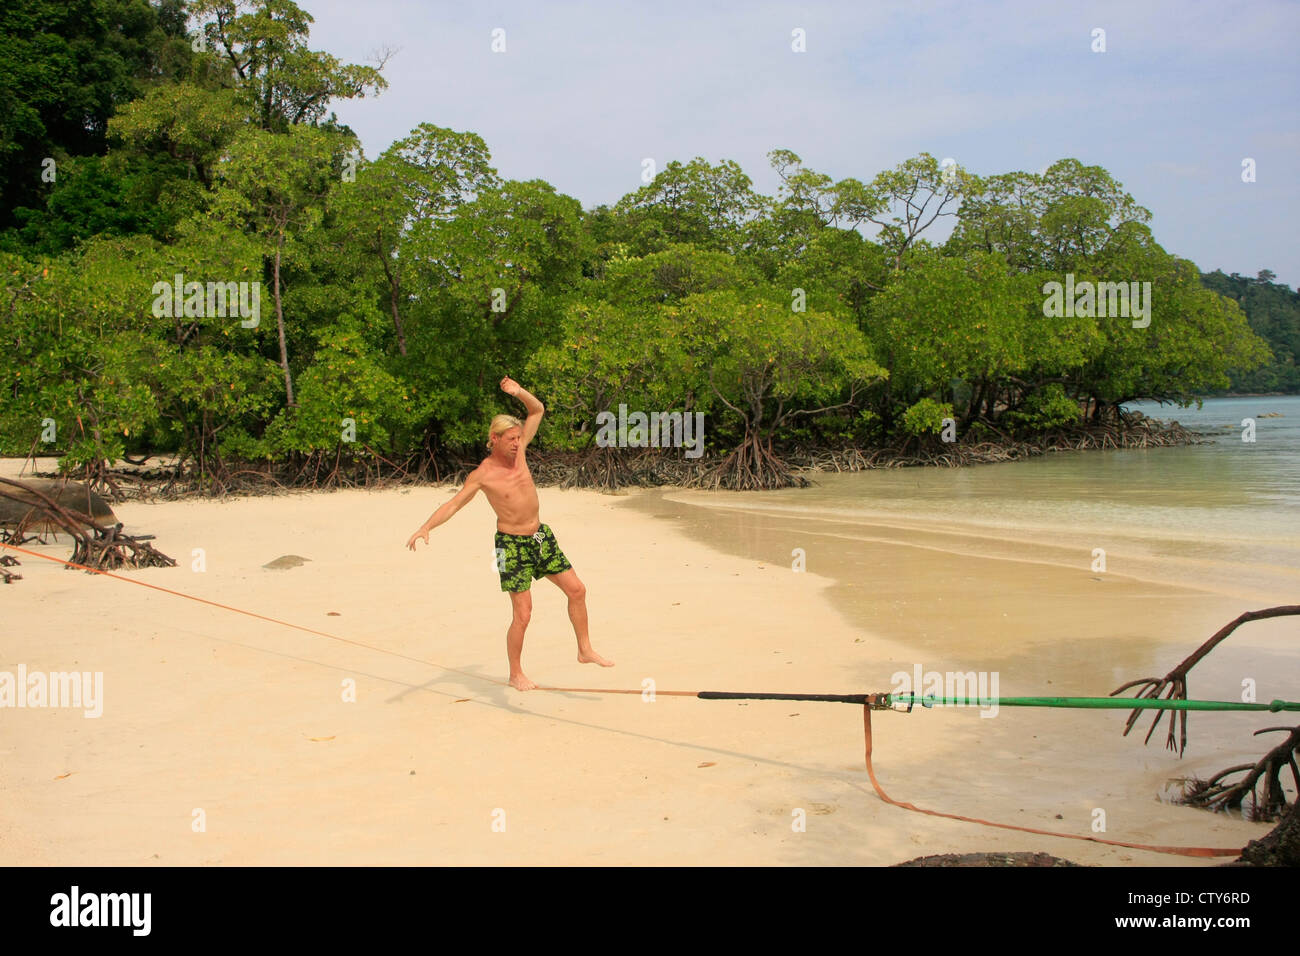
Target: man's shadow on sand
<point>495,693</point>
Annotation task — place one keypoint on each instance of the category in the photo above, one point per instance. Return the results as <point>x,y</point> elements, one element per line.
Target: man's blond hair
<point>500,425</point>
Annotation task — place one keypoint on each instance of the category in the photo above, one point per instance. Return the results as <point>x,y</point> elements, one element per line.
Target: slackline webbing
<point>1095,703</point>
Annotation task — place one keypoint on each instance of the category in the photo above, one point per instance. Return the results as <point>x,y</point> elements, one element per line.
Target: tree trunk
<point>279,321</point>
<point>397,323</point>
<point>394,294</point>
<point>976,400</point>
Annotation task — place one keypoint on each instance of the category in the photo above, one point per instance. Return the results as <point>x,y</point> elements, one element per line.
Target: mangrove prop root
<point>1173,686</point>
<point>1262,781</point>
<point>753,464</point>
<point>1145,433</point>
<point>93,546</point>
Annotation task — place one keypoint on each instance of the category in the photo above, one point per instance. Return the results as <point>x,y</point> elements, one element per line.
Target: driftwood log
<point>23,512</point>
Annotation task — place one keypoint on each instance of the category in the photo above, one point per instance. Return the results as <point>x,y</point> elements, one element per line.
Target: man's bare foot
<point>591,657</point>
<point>520,682</point>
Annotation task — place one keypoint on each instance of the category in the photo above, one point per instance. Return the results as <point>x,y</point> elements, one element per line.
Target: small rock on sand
<point>287,561</point>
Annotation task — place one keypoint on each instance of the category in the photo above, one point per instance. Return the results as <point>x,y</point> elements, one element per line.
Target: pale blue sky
<point>585,91</point>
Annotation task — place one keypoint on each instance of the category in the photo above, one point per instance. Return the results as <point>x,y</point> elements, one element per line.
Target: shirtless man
<point>526,549</point>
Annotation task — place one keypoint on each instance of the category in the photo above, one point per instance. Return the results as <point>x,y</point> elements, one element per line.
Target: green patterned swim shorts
<point>523,558</point>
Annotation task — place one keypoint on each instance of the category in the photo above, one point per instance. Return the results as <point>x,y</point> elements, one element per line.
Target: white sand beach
<point>242,724</point>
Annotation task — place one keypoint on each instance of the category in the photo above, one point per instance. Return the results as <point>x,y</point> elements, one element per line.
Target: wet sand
<point>245,720</point>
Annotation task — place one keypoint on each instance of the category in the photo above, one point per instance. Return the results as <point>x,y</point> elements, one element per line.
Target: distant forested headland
<point>199,260</point>
<point>1273,311</point>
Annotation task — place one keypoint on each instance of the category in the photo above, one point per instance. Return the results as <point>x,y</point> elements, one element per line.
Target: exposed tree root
<point>1173,686</point>
<point>751,466</point>
<point>94,546</point>
<point>1261,783</point>
<point>754,464</point>
<point>1144,433</point>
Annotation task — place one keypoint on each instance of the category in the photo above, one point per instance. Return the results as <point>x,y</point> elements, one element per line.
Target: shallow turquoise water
<point>1194,515</point>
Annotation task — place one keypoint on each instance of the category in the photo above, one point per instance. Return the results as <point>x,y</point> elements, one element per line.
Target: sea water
<point>1223,516</point>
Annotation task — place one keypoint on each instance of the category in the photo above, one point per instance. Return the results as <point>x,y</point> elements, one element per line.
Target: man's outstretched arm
<point>445,513</point>
<point>535,408</point>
